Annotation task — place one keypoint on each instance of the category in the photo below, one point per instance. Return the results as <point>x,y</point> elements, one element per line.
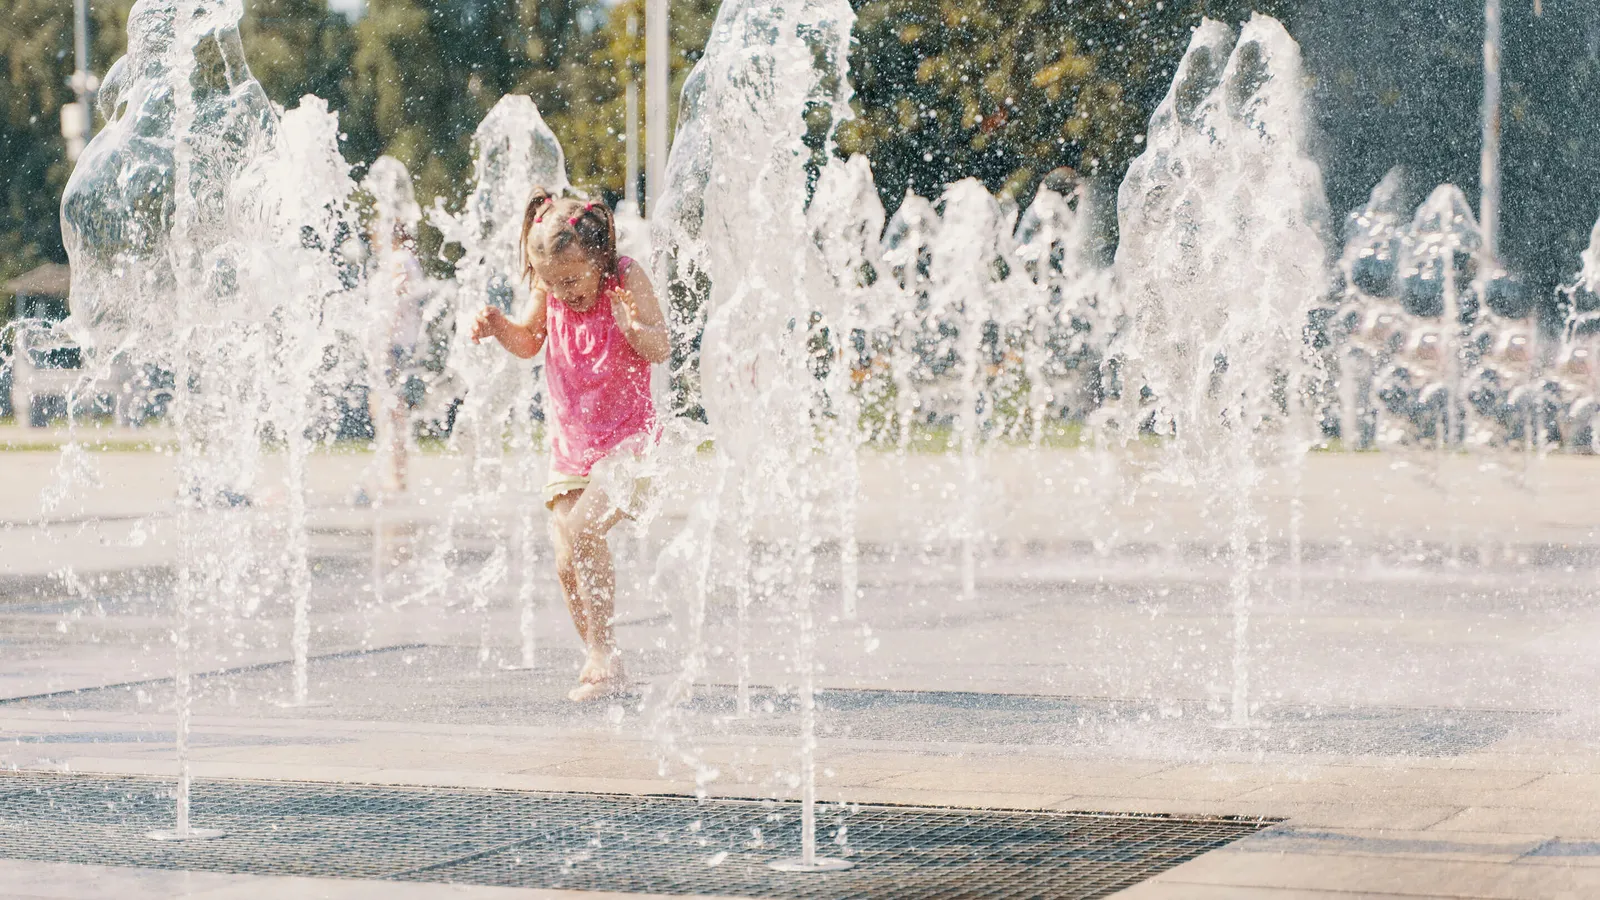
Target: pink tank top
<point>599,385</point>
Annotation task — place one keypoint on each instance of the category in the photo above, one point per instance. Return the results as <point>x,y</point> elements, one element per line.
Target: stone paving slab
<point>1243,865</point>
<point>1311,815</point>
<point>1480,505</point>
<point>1582,823</point>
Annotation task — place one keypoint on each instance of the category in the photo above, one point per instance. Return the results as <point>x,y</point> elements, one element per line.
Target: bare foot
<point>596,690</point>
<point>602,664</point>
<point>602,676</point>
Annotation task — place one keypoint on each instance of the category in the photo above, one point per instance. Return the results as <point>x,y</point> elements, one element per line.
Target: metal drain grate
<point>655,844</point>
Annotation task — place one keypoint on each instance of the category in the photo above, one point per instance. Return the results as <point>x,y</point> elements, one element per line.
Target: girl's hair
<point>553,225</point>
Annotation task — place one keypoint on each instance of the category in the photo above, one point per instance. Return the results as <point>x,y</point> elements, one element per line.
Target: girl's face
<point>571,278</point>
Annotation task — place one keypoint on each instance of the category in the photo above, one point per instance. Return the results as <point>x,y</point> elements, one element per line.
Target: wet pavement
<point>1421,689</point>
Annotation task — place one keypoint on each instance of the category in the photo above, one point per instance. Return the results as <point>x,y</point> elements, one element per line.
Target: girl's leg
<point>387,408</point>
<point>398,438</point>
<point>591,520</point>
<point>566,567</point>
<point>583,520</point>
<point>378,412</point>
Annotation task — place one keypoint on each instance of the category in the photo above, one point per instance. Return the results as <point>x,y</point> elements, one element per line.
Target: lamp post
<point>630,188</point>
<point>1489,172</point>
<point>77,119</point>
<point>657,77</point>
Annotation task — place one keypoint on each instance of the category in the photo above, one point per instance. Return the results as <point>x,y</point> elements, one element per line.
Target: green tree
<point>1402,85</point>
<point>587,87</point>
<point>294,46</point>
<point>405,100</point>
<point>298,47</point>
<point>1007,90</point>
<point>1004,90</point>
<point>1551,180</point>
<point>425,72</point>
<point>36,61</point>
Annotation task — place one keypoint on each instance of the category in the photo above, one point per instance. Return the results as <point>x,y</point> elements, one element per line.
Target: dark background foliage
<point>1003,90</point>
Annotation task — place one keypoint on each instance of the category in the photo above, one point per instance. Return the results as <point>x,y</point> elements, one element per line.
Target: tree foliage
<point>1402,85</point>
<point>422,76</point>
<point>36,63</point>
<point>1005,90</point>
<point>298,47</point>
<point>588,87</point>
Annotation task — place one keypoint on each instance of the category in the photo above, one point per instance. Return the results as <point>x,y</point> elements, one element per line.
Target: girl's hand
<point>491,323</point>
<point>625,309</point>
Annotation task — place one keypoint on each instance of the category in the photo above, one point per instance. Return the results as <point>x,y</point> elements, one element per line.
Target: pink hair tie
<point>538,220</point>
<point>573,221</point>
<point>588,206</point>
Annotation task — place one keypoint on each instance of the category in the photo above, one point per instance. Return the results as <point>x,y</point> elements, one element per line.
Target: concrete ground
<point>1422,686</point>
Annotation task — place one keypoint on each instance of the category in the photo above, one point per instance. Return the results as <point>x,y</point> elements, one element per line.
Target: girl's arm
<point>524,339</point>
<point>638,314</point>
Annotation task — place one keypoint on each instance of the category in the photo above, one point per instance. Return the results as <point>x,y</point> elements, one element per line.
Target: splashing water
<point>302,231</point>
<point>207,231</point>
<point>1431,348</point>
<point>965,292</point>
<point>906,248</point>
<point>516,151</point>
<point>153,219</point>
<point>846,219</point>
<point>156,183</point>
<point>1575,382</point>
<point>1366,322</point>
<point>735,217</point>
<point>1221,260</point>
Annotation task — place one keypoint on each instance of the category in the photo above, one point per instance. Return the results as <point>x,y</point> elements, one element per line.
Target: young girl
<point>597,318</point>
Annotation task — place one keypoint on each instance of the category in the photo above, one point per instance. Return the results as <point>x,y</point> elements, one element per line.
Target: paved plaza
<point>1423,685</point>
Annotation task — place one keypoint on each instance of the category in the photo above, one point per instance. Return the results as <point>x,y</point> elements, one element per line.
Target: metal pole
<point>658,88</point>
<point>1489,176</point>
<point>83,83</point>
<point>630,190</point>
